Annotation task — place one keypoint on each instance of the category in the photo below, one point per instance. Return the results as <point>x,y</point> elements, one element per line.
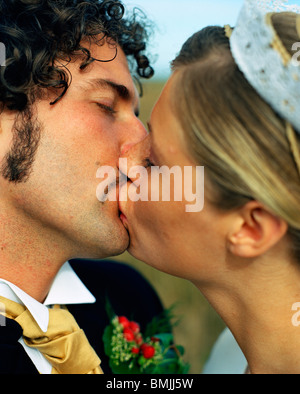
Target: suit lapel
<point>13,359</point>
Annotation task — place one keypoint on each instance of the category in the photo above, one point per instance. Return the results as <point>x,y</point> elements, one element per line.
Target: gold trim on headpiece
<point>277,43</point>
<point>228,31</point>
<point>298,25</point>
<point>293,141</point>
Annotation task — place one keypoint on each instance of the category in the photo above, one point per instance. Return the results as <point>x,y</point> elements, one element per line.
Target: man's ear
<point>255,230</point>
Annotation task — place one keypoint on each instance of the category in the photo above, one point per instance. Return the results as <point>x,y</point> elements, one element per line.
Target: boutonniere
<point>132,352</point>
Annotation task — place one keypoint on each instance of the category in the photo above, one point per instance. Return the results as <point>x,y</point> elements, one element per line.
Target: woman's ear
<point>255,230</point>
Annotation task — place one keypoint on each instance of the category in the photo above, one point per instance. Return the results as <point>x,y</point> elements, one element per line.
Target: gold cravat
<point>64,345</point>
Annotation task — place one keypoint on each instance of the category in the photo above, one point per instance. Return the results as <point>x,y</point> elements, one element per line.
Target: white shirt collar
<point>66,289</point>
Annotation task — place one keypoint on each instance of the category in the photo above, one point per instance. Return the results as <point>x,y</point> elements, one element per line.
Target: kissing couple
<point>70,107</point>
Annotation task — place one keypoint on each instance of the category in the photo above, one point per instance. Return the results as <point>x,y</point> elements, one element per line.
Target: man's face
<point>90,127</point>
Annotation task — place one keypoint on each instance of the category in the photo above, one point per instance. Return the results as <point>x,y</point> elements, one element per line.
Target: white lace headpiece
<point>274,76</point>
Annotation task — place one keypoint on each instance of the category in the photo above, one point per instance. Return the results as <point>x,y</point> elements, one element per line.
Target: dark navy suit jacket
<point>128,292</point>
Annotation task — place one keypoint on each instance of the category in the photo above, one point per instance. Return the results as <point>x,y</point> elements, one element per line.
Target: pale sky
<point>177,20</point>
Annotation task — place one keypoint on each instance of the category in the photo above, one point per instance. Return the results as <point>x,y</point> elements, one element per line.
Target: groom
<point>68,107</point>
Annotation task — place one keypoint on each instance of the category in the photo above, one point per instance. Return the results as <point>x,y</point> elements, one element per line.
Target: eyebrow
<point>100,83</point>
<point>121,90</point>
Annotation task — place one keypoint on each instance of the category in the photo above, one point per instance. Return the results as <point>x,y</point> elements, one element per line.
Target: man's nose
<point>132,138</point>
<point>137,154</point>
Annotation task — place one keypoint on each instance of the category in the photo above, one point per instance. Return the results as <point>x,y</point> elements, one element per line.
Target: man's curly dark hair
<point>37,34</point>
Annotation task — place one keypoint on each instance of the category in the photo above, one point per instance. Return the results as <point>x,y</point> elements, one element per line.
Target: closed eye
<point>107,109</point>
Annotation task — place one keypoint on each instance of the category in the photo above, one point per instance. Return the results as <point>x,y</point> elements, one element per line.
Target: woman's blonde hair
<point>232,131</point>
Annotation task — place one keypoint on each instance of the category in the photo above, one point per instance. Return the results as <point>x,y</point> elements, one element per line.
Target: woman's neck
<point>256,303</point>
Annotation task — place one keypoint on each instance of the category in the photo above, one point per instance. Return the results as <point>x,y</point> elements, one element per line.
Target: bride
<point>232,106</point>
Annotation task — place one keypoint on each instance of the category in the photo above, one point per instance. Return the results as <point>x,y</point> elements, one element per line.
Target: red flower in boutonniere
<point>131,352</point>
